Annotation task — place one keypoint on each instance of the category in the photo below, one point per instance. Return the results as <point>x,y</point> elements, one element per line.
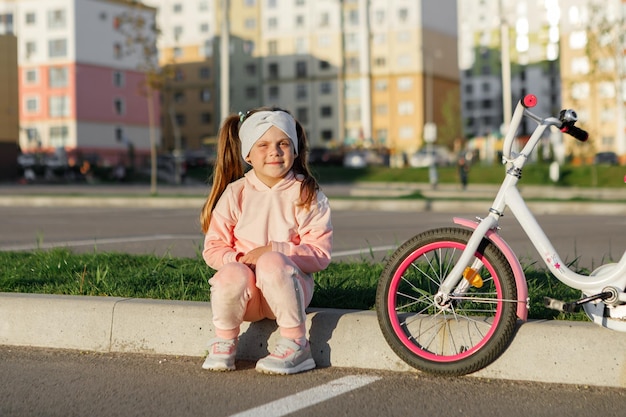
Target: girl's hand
<point>251,257</point>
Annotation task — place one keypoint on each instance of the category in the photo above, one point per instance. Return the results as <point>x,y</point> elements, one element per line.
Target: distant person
<point>463,168</point>
<point>266,232</point>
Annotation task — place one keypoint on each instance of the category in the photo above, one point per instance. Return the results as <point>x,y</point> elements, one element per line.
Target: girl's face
<point>272,156</point>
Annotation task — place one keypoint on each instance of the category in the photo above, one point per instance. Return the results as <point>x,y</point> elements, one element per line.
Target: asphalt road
<point>44,382</point>
<point>588,240</point>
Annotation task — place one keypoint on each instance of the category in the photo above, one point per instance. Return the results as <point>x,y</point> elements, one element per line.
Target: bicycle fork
<point>454,284</point>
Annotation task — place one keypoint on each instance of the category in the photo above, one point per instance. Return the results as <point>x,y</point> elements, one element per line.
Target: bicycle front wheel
<point>458,337</point>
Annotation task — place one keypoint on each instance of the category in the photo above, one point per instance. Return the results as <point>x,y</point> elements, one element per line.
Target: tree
<point>140,38</point>
<point>597,87</point>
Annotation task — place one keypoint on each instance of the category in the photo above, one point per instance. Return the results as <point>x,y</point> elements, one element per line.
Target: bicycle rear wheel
<point>457,338</point>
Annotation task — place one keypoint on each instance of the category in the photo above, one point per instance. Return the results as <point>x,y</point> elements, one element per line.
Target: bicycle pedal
<point>561,306</point>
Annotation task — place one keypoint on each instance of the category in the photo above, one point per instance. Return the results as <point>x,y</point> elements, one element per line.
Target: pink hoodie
<point>249,214</point>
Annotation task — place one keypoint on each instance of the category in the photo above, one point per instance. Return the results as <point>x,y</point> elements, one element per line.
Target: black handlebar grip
<point>576,132</point>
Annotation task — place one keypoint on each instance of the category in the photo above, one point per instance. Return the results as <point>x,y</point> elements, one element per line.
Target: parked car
<point>426,156</point>
<point>324,156</point>
<point>362,158</point>
<point>606,158</point>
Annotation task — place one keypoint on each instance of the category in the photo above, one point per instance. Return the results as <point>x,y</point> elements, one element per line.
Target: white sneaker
<point>288,358</point>
<point>221,355</point>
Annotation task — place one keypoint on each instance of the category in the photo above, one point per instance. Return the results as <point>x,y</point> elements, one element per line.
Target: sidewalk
<point>543,351</point>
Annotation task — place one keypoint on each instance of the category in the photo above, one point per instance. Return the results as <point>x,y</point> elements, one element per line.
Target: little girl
<point>266,232</point>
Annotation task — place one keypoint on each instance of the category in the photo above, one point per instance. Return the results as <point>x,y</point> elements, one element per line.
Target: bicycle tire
<point>463,338</point>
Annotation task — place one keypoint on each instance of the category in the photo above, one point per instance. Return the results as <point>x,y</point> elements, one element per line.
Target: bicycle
<point>449,299</point>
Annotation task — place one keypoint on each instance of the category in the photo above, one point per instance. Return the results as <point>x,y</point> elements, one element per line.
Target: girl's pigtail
<point>228,167</point>
<point>309,186</point>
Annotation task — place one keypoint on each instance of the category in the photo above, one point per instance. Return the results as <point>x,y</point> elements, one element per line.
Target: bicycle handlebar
<point>565,122</point>
<point>576,132</point>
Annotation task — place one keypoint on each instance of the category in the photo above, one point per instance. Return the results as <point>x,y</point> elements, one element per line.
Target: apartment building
<point>81,81</point>
<point>593,73</point>
<point>9,109</point>
<point>355,73</point>
<point>567,53</point>
<point>498,36</point>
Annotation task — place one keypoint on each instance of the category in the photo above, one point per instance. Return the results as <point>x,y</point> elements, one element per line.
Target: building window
<point>177,52</point>
<point>326,87</point>
<point>118,106</point>
<point>302,46</point>
<point>250,23</point>
<point>250,69</point>
<point>58,136</point>
<point>327,135</point>
<point>272,23</point>
<point>31,48</point>
<point>179,97</point>
<point>177,8</point>
<point>405,84</point>
<point>272,70</point>
<point>180,119</point>
<point>326,111</point>
<point>57,48</point>
<point>31,76</point>
<point>324,19</point>
<point>578,40</point>
<point>59,106</point>
<point>205,95</point>
<point>57,77</point>
<point>6,23</point>
<point>301,69</point>
<point>205,118</point>
<point>301,92</point>
<point>56,19</point>
<point>380,85</point>
<point>403,15</point>
<point>31,105</point>
<point>353,17</point>
<point>324,65</point>
<point>204,27</point>
<point>207,48</point>
<point>272,48</point>
<point>302,114</point>
<point>251,92</point>
<point>405,108</point>
<point>204,73</point>
<point>117,50</point>
<point>118,79</point>
<point>178,32</point>
<point>30,18</point>
<point>248,47</point>
<point>406,133</point>
<point>273,93</point>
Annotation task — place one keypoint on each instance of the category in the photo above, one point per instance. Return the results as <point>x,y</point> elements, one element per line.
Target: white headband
<point>255,125</point>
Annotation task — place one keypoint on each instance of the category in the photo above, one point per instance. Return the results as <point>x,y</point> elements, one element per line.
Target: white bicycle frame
<point>609,277</point>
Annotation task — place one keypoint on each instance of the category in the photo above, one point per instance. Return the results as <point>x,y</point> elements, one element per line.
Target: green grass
<point>342,285</point>
<point>585,176</point>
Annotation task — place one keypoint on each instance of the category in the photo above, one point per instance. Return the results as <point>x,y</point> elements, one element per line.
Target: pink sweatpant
<point>276,290</point>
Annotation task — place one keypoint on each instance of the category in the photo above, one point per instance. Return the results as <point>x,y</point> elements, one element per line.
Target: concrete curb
<point>356,204</point>
<point>542,351</point>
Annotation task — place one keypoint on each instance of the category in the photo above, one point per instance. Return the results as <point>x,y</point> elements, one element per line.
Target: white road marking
<point>309,397</point>
<point>132,239</point>
<point>362,251</point>
<point>88,242</point>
